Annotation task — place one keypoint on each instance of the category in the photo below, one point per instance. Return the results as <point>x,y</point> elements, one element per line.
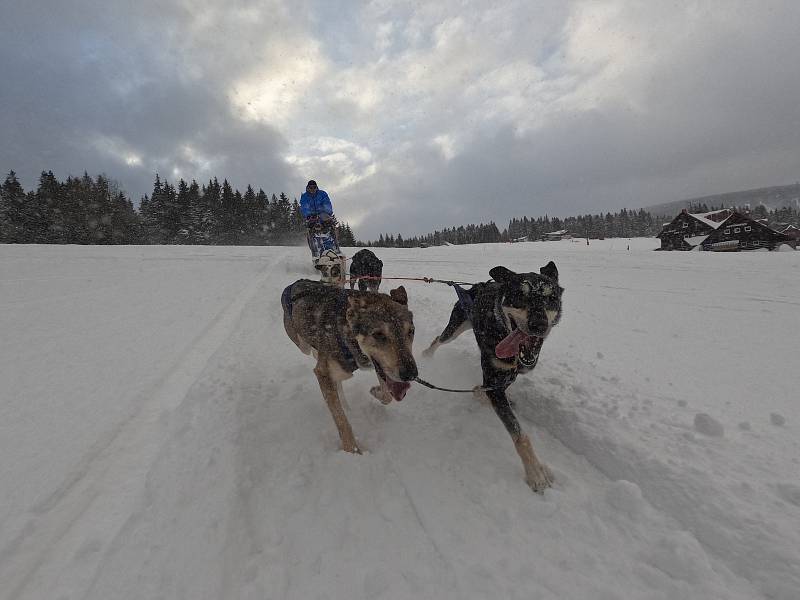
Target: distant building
<point>524,238</point>
<point>688,230</point>
<point>793,233</point>
<point>741,232</point>
<point>554,236</point>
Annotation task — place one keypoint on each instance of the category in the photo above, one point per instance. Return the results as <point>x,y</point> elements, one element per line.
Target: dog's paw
<point>539,479</point>
<point>381,394</point>
<point>351,448</point>
<point>428,352</point>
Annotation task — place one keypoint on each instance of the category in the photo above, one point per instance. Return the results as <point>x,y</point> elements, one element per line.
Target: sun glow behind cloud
<point>282,87</point>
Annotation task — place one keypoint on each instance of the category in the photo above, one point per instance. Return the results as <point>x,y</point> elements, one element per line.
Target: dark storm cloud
<point>413,115</point>
<point>91,87</point>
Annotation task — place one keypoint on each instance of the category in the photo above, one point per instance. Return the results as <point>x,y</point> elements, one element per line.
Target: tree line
<point>626,223</point>
<point>623,224</point>
<point>86,210</point>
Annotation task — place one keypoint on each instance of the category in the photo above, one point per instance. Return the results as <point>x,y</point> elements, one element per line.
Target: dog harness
<point>350,361</point>
<point>464,299</point>
<point>288,299</point>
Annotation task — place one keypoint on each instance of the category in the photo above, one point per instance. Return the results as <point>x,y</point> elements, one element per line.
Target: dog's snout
<point>408,371</point>
<point>538,325</point>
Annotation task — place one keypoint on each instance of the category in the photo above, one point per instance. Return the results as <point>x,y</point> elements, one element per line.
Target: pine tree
<point>50,201</point>
<point>13,211</point>
<point>282,212</point>
<point>182,216</point>
<point>298,223</point>
<point>152,212</point>
<point>196,213</point>
<point>262,216</point>
<point>226,222</point>
<point>249,216</point>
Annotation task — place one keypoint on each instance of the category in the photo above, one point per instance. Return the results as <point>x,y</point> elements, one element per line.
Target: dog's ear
<point>399,295</point>
<point>502,275</point>
<point>549,270</point>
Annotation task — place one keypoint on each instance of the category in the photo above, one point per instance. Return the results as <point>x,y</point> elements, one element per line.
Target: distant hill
<point>778,196</point>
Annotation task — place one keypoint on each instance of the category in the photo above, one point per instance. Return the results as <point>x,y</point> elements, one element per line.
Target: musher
<point>316,209</point>
<point>315,205</point>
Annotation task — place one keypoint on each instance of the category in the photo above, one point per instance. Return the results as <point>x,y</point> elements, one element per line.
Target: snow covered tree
<point>14,215</point>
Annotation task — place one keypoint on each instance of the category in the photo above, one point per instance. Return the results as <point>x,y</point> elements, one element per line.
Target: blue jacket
<point>316,204</point>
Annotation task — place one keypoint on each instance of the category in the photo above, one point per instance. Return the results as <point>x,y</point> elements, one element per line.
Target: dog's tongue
<point>509,345</point>
<point>397,389</point>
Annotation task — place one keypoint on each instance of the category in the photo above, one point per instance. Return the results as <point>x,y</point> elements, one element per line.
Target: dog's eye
<point>378,336</point>
<point>411,332</point>
<point>525,287</point>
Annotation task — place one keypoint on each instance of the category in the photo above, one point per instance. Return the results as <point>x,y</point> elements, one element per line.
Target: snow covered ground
<point>160,437</point>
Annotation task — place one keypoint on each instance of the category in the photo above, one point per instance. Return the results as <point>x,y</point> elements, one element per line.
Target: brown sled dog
<point>346,330</point>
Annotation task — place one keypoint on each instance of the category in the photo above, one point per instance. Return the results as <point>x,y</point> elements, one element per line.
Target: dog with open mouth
<point>347,330</point>
<point>511,317</point>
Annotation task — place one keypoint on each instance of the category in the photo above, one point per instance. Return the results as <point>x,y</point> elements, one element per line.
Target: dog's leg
<point>458,324</point>
<point>342,397</point>
<point>537,475</point>
<point>329,392</point>
<point>288,325</point>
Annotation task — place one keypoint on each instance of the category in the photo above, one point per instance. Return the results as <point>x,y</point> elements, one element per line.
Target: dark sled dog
<point>511,316</point>
<point>366,264</point>
<point>346,330</point>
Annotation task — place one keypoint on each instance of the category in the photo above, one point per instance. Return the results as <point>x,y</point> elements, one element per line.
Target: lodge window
<point>756,243</point>
<point>736,230</point>
<point>727,231</point>
<point>748,228</point>
<point>685,225</point>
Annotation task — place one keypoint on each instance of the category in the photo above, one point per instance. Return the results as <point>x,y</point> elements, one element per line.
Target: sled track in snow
<point>103,488</point>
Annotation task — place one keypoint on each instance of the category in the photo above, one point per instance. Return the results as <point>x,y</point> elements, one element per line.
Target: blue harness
<point>464,300</point>
<point>287,300</point>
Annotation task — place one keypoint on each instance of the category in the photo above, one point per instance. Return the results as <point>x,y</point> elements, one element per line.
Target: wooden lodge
<point>555,236</point>
<point>688,230</point>
<point>740,232</point>
<point>792,232</point>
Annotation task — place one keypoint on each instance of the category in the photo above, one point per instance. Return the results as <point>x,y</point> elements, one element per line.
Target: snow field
<point>163,438</point>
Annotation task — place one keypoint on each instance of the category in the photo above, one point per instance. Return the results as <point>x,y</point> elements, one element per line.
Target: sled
<point>326,255</point>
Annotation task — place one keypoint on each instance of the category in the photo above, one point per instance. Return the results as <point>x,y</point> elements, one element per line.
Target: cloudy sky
<point>412,115</point>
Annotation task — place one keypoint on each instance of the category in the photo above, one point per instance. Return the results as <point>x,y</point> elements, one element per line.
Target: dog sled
<point>326,255</point>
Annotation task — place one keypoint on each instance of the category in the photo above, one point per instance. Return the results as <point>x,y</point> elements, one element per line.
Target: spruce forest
<point>87,210</point>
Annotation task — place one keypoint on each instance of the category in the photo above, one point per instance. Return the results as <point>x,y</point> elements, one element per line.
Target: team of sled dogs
<point>348,329</point>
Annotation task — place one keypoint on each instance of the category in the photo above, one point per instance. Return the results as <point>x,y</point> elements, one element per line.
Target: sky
<point>412,115</point>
